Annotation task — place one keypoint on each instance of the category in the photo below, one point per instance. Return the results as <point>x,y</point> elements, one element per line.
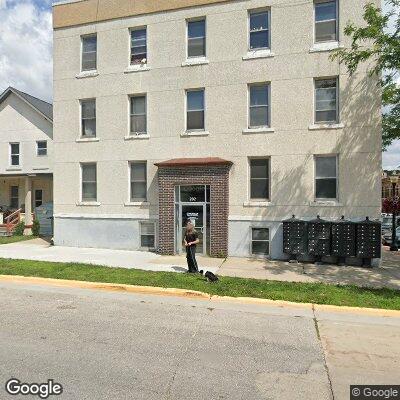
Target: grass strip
<point>318,293</point>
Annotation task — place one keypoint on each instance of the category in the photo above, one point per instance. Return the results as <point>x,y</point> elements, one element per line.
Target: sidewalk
<point>388,275</point>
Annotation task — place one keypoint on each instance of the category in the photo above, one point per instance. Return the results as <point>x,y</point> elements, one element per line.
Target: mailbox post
<point>294,237</point>
<point>343,240</point>
<point>368,240</point>
<point>319,238</point>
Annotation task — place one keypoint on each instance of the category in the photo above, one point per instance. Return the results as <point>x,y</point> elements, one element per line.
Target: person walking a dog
<point>190,241</point>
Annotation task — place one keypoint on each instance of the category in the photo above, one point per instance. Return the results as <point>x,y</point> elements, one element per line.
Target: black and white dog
<point>209,276</point>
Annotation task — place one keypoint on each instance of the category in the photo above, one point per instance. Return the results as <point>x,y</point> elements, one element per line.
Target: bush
<point>35,228</point>
<point>19,229</point>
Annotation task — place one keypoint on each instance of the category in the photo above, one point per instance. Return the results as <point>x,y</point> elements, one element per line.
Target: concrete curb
<point>193,294</point>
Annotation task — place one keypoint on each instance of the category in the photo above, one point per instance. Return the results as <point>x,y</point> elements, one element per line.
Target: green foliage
<point>35,228</point>
<point>377,43</point>
<point>318,293</point>
<point>19,229</point>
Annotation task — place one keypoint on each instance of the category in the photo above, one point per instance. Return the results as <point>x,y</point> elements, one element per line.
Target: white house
<point>26,154</point>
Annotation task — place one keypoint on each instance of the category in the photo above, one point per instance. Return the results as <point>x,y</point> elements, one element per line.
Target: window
<point>259,179</point>
<point>196,38</point>
<point>260,241</point>
<point>147,235</point>
<point>195,110</point>
<point>139,46</point>
<point>326,100</point>
<point>15,154</point>
<point>38,197</point>
<point>326,177</point>
<point>89,182</point>
<point>325,21</point>
<point>42,148</point>
<point>14,197</point>
<point>258,105</point>
<point>259,30</point>
<point>138,181</point>
<point>88,112</point>
<point>89,53</point>
<point>138,114</point>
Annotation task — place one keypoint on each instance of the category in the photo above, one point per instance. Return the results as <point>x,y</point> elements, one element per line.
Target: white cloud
<point>391,158</point>
<point>26,47</point>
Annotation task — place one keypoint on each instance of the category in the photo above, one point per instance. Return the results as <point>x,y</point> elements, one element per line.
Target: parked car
<point>387,237</point>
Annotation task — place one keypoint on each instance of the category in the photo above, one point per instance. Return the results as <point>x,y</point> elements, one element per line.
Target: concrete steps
<point>3,231</point>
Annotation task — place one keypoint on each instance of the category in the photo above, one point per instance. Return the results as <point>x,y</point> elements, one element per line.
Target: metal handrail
<point>13,220</point>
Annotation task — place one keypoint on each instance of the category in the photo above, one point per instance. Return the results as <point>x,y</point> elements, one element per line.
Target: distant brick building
<point>387,187</point>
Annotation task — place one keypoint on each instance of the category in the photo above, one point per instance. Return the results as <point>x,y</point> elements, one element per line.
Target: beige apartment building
<point>228,113</point>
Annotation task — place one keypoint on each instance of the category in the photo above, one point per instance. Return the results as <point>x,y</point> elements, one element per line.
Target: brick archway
<point>194,171</point>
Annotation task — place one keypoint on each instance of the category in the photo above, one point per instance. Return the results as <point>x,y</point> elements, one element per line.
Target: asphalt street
<point>113,345</point>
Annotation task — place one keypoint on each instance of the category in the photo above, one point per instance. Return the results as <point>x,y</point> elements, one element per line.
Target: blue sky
<point>26,54</point>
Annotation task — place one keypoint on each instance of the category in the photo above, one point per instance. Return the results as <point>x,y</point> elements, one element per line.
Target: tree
<point>379,43</point>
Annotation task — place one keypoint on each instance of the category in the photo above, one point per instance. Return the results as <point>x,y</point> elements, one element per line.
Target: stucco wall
<point>19,122</point>
<point>291,146</point>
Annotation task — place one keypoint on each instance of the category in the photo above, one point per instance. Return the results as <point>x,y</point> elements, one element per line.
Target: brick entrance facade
<point>208,171</point>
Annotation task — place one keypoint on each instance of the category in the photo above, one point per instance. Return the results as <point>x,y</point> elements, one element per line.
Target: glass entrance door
<point>192,202</point>
<point>196,215</point>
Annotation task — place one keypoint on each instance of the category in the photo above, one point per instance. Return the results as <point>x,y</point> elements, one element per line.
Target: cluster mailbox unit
<point>341,239</point>
<point>319,238</point>
<point>294,237</point>
<point>368,240</point>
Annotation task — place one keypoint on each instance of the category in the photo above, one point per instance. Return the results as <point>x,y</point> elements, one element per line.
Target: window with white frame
<point>41,148</point>
<point>147,235</point>
<point>196,36</point>
<point>15,154</point>
<point>138,46</point>
<point>259,109</point>
<point>138,181</point>
<point>195,110</point>
<point>260,241</point>
<point>259,179</point>
<point>38,197</point>
<point>259,30</point>
<point>138,114</point>
<point>326,100</point>
<point>89,182</point>
<point>326,181</point>
<point>326,20</point>
<point>14,197</point>
<point>88,116</point>
<point>89,52</point>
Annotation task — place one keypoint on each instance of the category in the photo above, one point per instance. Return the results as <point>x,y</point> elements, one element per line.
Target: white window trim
<point>137,135</point>
<point>322,200</point>
<point>202,59</point>
<point>140,235</point>
<point>195,132</point>
<point>37,148</point>
<point>82,202</point>
<point>89,72</point>
<point>337,39</point>
<point>262,128</point>
<point>326,124</point>
<point>258,202</point>
<point>82,138</point>
<point>253,226</point>
<point>141,66</point>
<point>19,166</point>
<point>261,49</point>
<point>137,202</point>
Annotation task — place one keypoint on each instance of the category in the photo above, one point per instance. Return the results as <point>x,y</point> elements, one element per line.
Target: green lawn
<point>237,287</point>
<point>14,239</point>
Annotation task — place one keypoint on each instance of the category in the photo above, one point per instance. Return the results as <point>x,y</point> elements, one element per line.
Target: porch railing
<point>13,220</point>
